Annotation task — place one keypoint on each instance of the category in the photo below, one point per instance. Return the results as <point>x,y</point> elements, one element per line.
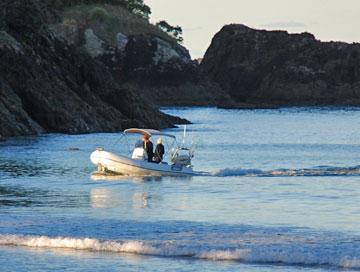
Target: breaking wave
<point>310,172</point>
<point>274,250</point>
<point>76,243</point>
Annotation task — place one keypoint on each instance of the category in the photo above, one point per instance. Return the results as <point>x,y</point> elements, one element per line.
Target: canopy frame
<point>148,132</point>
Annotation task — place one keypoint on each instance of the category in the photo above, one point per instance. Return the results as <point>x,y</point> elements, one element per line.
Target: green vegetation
<point>113,19</point>
<point>174,31</point>
<point>137,7</point>
<point>108,17</point>
<point>98,14</point>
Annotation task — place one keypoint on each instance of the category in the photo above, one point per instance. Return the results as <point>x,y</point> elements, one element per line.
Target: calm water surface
<point>282,193</point>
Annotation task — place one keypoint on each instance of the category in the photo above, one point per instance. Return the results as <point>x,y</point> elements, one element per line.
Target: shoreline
<point>188,122</point>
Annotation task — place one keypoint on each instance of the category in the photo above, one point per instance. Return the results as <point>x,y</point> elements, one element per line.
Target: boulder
<point>151,60</point>
<point>93,45</point>
<point>121,41</point>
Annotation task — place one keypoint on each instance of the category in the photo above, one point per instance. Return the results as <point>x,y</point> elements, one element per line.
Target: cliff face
<point>49,85</point>
<point>273,68</point>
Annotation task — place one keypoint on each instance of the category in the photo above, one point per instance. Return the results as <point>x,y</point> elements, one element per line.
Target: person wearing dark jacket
<point>148,147</point>
<point>159,151</point>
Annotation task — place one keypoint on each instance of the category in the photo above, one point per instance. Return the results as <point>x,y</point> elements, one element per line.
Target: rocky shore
<point>48,84</point>
<point>98,67</point>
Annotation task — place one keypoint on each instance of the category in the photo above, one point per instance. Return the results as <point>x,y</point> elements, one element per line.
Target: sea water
<point>280,191</point>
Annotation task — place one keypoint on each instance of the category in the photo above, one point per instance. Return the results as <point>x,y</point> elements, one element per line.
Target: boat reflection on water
<point>103,176</point>
<point>140,200</point>
<point>96,176</point>
<point>102,198</point>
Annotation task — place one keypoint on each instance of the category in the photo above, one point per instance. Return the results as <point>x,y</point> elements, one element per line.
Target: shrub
<point>174,31</point>
<point>138,7</point>
<point>68,3</point>
<point>98,14</point>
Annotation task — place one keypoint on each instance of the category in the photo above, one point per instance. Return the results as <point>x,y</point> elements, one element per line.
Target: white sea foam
<point>316,171</point>
<point>77,243</point>
<point>225,255</point>
<point>285,253</point>
<point>226,172</point>
<point>350,262</point>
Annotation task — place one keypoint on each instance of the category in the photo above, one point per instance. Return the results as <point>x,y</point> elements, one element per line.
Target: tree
<point>174,31</point>
<point>138,7</point>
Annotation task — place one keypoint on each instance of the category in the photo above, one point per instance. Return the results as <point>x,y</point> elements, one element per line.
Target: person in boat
<point>159,151</point>
<point>148,147</point>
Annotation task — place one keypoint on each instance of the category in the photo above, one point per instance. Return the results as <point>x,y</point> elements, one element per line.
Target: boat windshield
<point>139,143</point>
<point>148,132</point>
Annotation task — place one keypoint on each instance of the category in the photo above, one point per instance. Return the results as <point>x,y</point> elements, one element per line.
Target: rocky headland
<point>260,68</point>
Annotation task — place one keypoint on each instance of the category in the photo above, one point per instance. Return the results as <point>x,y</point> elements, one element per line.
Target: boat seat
<point>139,154</point>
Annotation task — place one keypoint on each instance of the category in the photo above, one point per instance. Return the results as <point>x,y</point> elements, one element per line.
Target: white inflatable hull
<point>121,165</point>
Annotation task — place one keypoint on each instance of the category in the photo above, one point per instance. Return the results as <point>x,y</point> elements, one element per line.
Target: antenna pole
<point>184,134</point>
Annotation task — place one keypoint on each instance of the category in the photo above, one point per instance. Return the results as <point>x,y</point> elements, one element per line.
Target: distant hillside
<point>140,55</point>
<point>260,68</point>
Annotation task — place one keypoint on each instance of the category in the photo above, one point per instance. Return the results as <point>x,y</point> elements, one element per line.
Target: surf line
<point>293,253</point>
<point>305,172</point>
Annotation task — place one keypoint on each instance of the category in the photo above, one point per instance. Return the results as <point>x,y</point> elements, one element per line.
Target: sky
<point>337,20</point>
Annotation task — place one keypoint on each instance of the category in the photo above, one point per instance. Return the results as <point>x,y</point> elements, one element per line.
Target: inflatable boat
<point>138,164</point>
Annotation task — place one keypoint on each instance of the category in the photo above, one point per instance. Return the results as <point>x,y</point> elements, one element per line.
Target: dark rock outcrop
<point>151,60</point>
<point>14,120</point>
<point>165,74</point>
<point>47,85</point>
<point>261,68</point>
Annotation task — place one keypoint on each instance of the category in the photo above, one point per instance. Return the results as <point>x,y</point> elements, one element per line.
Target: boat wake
<point>319,171</point>
<point>274,249</point>
<point>309,172</point>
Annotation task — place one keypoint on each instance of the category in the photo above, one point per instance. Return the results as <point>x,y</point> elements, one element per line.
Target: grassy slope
<point>107,20</point>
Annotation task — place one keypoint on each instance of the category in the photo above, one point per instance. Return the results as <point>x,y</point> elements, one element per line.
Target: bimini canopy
<point>149,132</point>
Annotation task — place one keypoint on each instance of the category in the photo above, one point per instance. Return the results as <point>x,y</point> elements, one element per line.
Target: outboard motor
<point>182,156</point>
